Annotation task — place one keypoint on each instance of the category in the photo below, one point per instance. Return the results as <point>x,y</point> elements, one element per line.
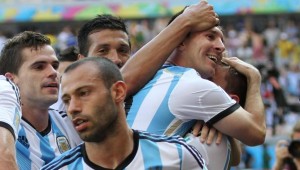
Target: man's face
<point>203,50</point>
<point>89,103</point>
<point>37,78</point>
<point>112,44</point>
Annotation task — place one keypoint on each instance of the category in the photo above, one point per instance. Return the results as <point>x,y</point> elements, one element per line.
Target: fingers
<point>211,135</point>
<point>219,137</point>
<point>204,134</point>
<point>197,128</point>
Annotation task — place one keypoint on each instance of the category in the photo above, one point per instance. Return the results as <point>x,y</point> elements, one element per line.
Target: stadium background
<point>145,18</point>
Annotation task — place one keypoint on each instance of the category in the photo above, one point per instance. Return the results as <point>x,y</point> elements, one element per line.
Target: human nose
<point>53,73</point>
<point>73,107</point>
<point>114,57</point>
<point>219,46</point>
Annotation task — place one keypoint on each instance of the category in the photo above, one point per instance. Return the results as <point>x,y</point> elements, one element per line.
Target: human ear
<point>235,97</point>
<point>119,90</point>
<point>10,76</point>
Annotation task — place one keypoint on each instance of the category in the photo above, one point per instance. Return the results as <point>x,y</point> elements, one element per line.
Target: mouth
<point>52,85</point>
<point>79,124</point>
<point>213,58</point>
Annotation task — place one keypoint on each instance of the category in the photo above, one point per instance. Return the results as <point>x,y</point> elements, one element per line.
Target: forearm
<point>146,61</point>
<point>254,105</point>
<point>7,150</point>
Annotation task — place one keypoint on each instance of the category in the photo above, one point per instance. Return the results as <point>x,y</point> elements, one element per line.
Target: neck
<point>113,151</point>
<point>37,116</point>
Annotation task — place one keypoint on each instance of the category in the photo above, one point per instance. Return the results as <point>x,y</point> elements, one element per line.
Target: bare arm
<point>7,150</point>
<point>249,124</point>
<point>145,62</point>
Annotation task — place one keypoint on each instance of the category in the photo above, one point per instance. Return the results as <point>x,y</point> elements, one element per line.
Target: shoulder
<point>58,114</point>
<point>171,147</point>
<point>65,159</point>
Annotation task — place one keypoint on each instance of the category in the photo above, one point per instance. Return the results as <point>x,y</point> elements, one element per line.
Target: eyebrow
<point>218,33</point>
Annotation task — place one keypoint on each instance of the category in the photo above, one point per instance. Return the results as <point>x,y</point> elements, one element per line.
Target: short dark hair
<point>108,71</point>
<point>11,57</point>
<point>236,84</point>
<point>69,54</point>
<point>100,22</point>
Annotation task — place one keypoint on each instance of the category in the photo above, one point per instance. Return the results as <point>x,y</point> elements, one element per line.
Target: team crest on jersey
<point>17,118</point>
<point>63,144</point>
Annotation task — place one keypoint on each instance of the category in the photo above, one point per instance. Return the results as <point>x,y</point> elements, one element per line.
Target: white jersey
<point>35,149</point>
<point>173,99</point>
<point>150,152</point>
<point>10,110</point>
<point>212,153</point>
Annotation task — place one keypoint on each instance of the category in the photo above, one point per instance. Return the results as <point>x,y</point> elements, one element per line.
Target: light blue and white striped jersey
<point>175,97</point>
<point>10,109</point>
<point>35,149</point>
<point>171,102</point>
<point>150,152</point>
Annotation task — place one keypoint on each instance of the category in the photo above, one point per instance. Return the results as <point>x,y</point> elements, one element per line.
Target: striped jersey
<point>150,152</point>
<point>171,102</point>
<point>35,149</point>
<point>212,153</point>
<point>174,98</point>
<point>10,109</point>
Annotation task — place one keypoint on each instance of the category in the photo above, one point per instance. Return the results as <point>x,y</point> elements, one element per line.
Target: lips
<point>214,58</point>
<point>51,84</point>
<point>80,124</point>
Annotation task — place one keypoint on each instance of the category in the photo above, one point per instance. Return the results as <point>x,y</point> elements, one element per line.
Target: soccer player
<point>227,152</point>
<point>30,62</point>
<point>93,91</point>
<point>10,115</point>
<point>179,93</point>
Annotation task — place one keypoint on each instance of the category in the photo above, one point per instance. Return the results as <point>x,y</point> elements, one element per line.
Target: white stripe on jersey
<point>151,111</point>
<point>153,151</point>
<point>10,108</point>
<point>36,149</point>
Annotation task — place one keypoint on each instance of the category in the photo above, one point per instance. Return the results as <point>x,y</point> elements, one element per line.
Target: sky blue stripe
<point>22,153</point>
<point>163,116</point>
<point>138,99</point>
<point>150,153</point>
<point>179,149</point>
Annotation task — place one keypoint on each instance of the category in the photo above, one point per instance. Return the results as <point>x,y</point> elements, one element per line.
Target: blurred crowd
<point>273,49</point>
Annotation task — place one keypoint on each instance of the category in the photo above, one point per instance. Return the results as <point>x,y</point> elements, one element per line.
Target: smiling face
<point>89,103</point>
<point>201,51</point>
<point>37,77</point>
<point>112,44</point>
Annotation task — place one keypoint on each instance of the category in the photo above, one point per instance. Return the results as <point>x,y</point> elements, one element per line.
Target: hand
<point>207,134</point>
<point>281,150</point>
<point>201,16</point>
<point>252,73</point>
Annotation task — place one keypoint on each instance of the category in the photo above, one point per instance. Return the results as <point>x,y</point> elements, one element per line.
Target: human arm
<point>10,115</point>
<point>204,100</point>
<point>146,61</point>
<point>250,127</point>
<point>7,150</point>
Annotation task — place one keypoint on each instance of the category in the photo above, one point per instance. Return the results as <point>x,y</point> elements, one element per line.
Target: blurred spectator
<point>65,38</point>
<point>288,153</point>
<point>66,57</point>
